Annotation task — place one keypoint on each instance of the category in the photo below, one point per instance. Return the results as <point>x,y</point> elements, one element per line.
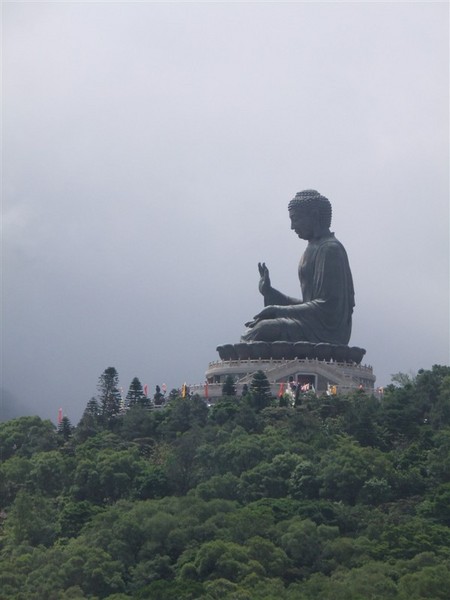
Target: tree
<point>268,480</point>
<point>272,558</point>
<point>400,415</point>
<point>429,582</point>
<point>419,403</point>
<point>26,435</point>
<point>92,569</point>
<point>222,559</point>
<point>65,430</point>
<point>219,486</point>
<point>32,520</point>
<point>139,424</point>
<point>183,414</point>
<point>181,466</point>
<point>136,396</point>
<point>360,418</point>
<point>91,422</point>
<point>109,394</point>
<point>261,396</point>
<point>440,412</point>
<point>228,388</point>
<point>345,470</point>
<point>403,379</point>
<point>74,514</point>
<point>304,482</point>
<point>49,472</point>
<point>241,453</point>
<point>14,475</point>
<point>440,504</point>
<point>438,460</point>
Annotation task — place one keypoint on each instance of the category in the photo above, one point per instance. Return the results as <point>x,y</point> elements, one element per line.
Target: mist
<point>149,154</point>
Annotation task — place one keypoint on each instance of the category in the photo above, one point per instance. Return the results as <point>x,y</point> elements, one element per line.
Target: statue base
<point>290,351</point>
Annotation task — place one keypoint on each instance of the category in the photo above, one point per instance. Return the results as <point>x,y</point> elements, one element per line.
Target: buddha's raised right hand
<point>264,282</point>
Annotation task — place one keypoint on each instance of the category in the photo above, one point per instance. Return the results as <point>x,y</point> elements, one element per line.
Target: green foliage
<point>14,476</point>
<point>91,421</point>
<point>272,558</point>
<point>429,582</point>
<point>403,379</point>
<point>181,464</point>
<point>228,388</point>
<point>219,486</point>
<point>65,430</point>
<point>350,471</point>
<point>268,479</point>
<point>31,520</point>
<point>73,515</point>
<point>109,394</point>
<point>25,436</point>
<point>260,394</point>
<point>114,474</point>
<point>224,411</point>
<point>135,395</point>
<point>140,425</point>
<point>49,471</point>
<point>219,559</point>
<point>422,400</point>
<point>171,590</point>
<point>304,482</point>
<point>341,498</point>
<point>303,541</point>
<point>438,459</point>
<point>440,405</point>
<point>183,414</point>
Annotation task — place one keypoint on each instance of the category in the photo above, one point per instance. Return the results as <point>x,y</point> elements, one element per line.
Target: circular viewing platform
<point>313,373</point>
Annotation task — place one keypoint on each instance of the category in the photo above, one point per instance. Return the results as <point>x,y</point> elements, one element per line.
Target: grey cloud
<point>150,150</point>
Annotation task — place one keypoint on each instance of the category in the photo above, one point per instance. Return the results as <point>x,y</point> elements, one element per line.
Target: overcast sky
<point>150,151</point>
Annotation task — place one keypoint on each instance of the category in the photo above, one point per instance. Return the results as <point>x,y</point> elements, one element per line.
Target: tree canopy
<point>340,498</point>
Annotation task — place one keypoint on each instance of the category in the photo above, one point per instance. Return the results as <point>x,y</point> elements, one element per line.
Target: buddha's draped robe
<point>325,314</point>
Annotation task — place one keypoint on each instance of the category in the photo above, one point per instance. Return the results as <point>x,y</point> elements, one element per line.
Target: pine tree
<point>260,391</point>
<point>135,395</point>
<point>228,388</point>
<point>91,422</point>
<point>65,429</point>
<point>92,408</point>
<point>109,396</point>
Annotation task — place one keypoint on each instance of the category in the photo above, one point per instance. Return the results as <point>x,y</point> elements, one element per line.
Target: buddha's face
<point>304,222</point>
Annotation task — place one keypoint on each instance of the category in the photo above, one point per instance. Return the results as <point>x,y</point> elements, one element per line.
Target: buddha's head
<point>310,214</point>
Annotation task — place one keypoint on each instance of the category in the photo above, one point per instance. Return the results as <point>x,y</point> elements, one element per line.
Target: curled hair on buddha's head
<point>311,199</point>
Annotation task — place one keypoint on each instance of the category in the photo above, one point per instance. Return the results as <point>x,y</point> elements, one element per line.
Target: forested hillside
<point>338,498</point>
